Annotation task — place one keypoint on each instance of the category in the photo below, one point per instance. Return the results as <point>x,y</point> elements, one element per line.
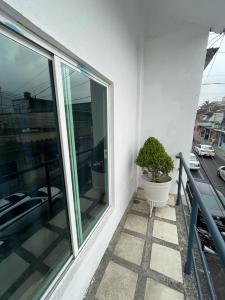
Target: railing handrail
<point>219,243</point>
<point>213,229</point>
<point>47,163</point>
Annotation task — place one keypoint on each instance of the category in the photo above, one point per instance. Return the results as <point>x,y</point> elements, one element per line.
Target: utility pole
<point>1,99</point>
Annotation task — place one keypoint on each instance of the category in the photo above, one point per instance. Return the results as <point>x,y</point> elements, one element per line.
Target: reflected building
<point>26,124</point>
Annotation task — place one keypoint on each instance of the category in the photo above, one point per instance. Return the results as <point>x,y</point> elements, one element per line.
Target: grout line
<point>166,220</point>
<point>166,243</point>
<point>134,233</point>
<point>165,280</point>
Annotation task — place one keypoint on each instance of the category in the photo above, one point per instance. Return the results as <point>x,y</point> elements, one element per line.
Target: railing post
<point>179,181</point>
<point>49,189</point>
<point>191,237</point>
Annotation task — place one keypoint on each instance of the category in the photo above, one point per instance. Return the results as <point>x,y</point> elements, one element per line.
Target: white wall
<point>103,34</point>
<point>173,66</point>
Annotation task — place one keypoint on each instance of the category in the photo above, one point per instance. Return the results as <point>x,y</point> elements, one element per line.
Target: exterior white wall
<point>166,77</point>
<point>103,34</point>
<point>173,66</point>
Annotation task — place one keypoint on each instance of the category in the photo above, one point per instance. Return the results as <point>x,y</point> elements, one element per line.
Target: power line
<point>222,37</point>
<point>30,80</point>
<point>48,87</point>
<point>211,83</point>
<point>215,37</point>
<point>218,38</point>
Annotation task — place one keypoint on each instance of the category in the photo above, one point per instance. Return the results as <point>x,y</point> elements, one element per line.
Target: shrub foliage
<point>153,157</point>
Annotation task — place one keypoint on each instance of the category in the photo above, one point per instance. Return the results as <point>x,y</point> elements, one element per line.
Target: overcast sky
<point>23,70</point>
<point>214,73</point>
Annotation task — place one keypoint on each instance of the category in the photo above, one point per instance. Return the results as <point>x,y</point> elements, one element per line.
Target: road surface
<point>208,174</point>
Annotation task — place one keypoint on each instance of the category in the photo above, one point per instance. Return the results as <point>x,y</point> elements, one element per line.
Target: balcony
<point>75,74</point>
<point>152,257</point>
<point>146,256</point>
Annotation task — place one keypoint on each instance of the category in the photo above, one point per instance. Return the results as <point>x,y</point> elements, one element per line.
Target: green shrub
<point>153,157</point>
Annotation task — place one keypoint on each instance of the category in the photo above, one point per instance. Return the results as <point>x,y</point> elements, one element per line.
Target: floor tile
<point>141,206</point>
<point>59,220</point>
<point>130,248</point>
<point>85,204</point>
<point>172,200</point>
<point>40,241</point>
<point>57,253</point>
<point>166,261</point>
<point>165,231</point>
<point>93,194</point>
<point>136,223</point>
<point>141,194</point>
<point>26,290</point>
<point>166,212</point>
<point>118,283</point>
<point>157,291</point>
<point>11,269</point>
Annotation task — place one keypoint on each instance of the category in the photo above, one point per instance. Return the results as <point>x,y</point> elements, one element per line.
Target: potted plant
<point>156,165</point>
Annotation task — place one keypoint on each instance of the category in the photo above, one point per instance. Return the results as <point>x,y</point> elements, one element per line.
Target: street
<point>208,174</point>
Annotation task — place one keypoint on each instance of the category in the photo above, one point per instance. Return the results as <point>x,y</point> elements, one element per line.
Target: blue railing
<point>193,237</point>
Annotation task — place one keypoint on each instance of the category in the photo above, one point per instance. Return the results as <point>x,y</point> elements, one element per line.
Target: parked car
<point>193,162</point>
<point>215,206</point>
<point>206,241</point>
<point>43,193</point>
<point>204,150</point>
<point>221,172</point>
<point>23,213</point>
<point>18,198</point>
<point>10,200</point>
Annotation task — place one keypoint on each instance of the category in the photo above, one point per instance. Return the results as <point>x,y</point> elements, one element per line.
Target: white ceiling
<point>168,15</point>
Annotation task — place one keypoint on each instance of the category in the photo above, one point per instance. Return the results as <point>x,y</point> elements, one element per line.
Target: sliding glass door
<point>86,117</point>
<point>53,164</point>
<point>34,228</point>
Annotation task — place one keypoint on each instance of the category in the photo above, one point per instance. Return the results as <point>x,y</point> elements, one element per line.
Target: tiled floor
<point>143,260</point>
<point>34,256</point>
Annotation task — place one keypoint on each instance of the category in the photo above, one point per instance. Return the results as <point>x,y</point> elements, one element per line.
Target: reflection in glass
<point>85,104</point>
<point>34,232</point>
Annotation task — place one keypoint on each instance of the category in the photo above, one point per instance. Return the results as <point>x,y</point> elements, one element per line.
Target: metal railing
<point>193,237</point>
<point>47,179</point>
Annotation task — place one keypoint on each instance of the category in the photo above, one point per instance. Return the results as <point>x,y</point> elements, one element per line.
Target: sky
<point>23,70</point>
<point>215,72</point>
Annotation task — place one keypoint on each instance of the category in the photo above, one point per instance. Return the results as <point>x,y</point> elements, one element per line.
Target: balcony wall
<point>173,66</point>
<point>102,34</point>
<point>155,73</point>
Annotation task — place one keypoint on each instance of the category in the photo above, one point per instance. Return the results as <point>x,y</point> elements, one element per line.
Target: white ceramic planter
<point>157,194</point>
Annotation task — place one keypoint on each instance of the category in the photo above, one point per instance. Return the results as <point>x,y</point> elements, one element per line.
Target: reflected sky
<point>21,70</point>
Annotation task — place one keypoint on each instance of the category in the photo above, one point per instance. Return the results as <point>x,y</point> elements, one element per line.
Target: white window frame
<point>59,82</point>
<point>39,45</point>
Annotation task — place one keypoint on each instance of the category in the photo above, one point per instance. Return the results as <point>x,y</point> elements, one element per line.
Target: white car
<point>24,212</point>
<point>221,172</point>
<point>43,193</point>
<point>193,162</point>
<point>12,199</point>
<point>204,150</point>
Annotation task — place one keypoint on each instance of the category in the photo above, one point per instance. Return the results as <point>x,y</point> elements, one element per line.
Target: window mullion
<point>65,150</point>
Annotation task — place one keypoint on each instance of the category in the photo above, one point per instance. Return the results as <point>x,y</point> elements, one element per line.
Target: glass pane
<point>34,230</point>
<point>86,107</point>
